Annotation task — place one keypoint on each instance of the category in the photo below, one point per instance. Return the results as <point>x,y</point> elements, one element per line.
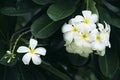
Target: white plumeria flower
<point>99,42</point>
<point>88,20</point>
<point>32,52</point>
<point>105,33</point>
<point>83,40</point>
<point>69,32</point>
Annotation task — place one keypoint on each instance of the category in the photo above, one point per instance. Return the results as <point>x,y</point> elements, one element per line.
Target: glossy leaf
<point>44,27</point>
<point>60,10</point>
<point>109,64</point>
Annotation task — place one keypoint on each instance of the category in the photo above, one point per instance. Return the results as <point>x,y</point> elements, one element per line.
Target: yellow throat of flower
<point>86,21</point>
<point>75,29</point>
<point>32,51</point>
<point>98,38</point>
<point>84,36</point>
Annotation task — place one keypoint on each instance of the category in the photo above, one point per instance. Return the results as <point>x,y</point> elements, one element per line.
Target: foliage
<point>44,20</point>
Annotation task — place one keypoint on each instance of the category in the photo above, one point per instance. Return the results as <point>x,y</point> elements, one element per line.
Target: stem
<point>87,4</point>
<point>18,40</point>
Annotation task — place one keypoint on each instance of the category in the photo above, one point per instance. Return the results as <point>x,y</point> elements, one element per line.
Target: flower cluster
<point>83,35</point>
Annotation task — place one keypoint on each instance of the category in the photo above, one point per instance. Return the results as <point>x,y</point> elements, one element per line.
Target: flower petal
<point>33,43</point>
<point>86,14</point>
<point>68,36</point>
<point>26,58</point>
<point>76,21</point>
<point>23,49</point>
<point>94,18</point>
<point>66,28</point>
<point>36,59</point>
<point>40,50</point>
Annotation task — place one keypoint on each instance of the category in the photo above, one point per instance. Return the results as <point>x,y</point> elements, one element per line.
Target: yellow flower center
<point>75,29</point>
<point>84,36</point>
<point>86,21</point>
<point>32,51</point>
<point>98,38</point>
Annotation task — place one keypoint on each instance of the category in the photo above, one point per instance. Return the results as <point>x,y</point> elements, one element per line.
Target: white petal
<point>23,49</point>
<point>86,14</point>
<point>68,36</point>
<point>66,28</point>
<point>94,18</point>
<point>33,43</point>
<point>40,50</point>
<point>36,59</point>
<point>100,26</point>
<point>77,20</point>
<point>26,58</point>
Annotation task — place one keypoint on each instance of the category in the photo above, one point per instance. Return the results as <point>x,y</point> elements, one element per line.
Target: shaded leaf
<point>44,27</point>
<point>60,10</point>
<point>55,71</point>
<point>106,17</point>
<point>11,11</point>
<point>109,64</point>
<point>77,60</point>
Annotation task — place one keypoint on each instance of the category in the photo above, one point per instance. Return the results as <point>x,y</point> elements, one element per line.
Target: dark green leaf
<point>77,60</point>
<point>109,64</point>
<point>11,11</point>
<point>55,71</point>
<point>44,27</point>
<point>106,17</point>
<point>60,10</point>
<point>42,2</point>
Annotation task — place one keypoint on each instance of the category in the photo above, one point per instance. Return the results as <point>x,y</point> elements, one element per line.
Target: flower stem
<point>87,4</point>
<point>18,40</point>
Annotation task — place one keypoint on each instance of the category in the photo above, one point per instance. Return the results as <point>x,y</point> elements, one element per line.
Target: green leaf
<point>42,2</point>
<point>109,64</point>
<point>106,17</point>
<point>91,5</point>
<point>77,60</point>
<point>55,71</point>
<point>44,27</point>
<point>11,11</point>
<point>61,10</point>
<point>4,60</point>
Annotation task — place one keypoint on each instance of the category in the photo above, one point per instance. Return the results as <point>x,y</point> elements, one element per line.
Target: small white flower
<point>69,32</point>
<point>32,52</point>
<point>105,33</point>
<point>88,20</point>
<point>101,39</point>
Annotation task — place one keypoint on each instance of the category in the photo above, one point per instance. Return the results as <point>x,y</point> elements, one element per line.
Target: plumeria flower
<point>83,40</point>
<point>9,56</point>
<point>100,41</point>
<point>88,20</point>
<point>32,52</point>
<point>69,32</point>
<point>105,33</point>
